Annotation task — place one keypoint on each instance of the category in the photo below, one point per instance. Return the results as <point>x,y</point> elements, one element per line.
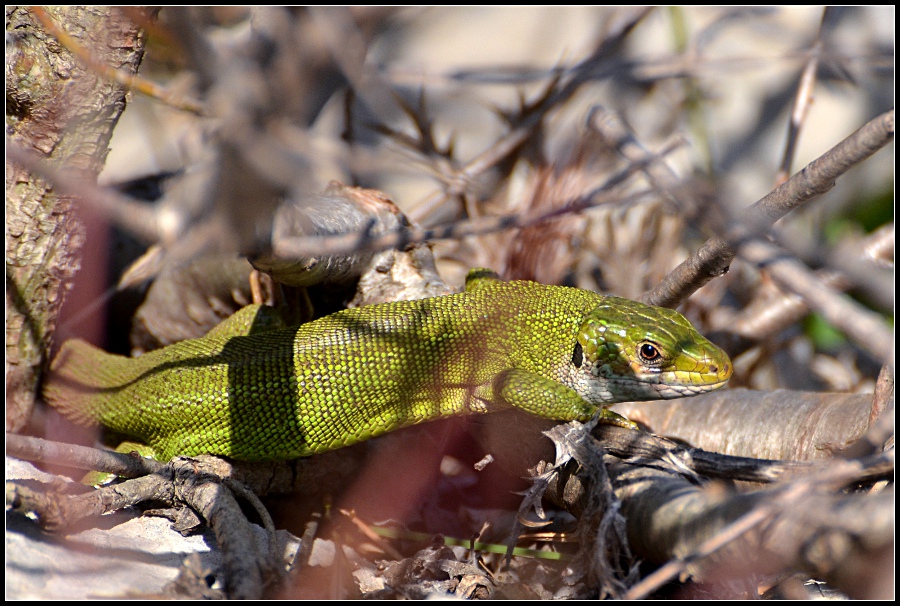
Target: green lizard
<point>271,394</point>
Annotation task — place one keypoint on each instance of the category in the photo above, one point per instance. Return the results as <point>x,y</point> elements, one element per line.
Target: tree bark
<point>62,112</point>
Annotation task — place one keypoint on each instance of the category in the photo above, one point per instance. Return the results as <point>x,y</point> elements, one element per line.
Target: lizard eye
<point>578,356</point>
<point>649,352</point>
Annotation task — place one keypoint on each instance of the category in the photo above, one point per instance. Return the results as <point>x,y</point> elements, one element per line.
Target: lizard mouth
<point>670,390</point>
<point>670,386</point>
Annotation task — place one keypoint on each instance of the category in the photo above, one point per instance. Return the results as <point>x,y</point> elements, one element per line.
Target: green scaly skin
<point>274,394</point>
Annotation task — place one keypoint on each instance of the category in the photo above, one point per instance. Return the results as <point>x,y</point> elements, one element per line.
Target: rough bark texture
<point>62,111</point>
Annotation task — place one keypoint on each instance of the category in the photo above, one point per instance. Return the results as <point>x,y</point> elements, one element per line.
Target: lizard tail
<point>83,380</point>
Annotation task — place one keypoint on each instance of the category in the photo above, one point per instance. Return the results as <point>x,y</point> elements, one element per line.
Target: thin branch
<point>767,316</point>
<point>79,457</point>
<point>787,520</point>
<point>714,257</point>
<point>658,173</point>
<point>802,103</point>
<point>646,69</point>
<point>361,241</point>
<point>129,81</point>
<point>349,49</point>
<point>866,328</point>
<point>879,246</point>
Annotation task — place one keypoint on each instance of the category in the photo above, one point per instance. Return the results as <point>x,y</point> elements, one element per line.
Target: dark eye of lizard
<point>649,352</point>
<point>578,355</point>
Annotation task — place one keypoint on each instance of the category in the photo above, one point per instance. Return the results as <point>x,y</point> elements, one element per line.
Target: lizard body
<point>558,352</point>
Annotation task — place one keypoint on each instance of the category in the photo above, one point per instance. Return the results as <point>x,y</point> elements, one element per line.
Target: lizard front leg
<point>548,399</point>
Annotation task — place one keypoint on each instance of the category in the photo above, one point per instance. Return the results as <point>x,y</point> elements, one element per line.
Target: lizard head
<point>627,351</point>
